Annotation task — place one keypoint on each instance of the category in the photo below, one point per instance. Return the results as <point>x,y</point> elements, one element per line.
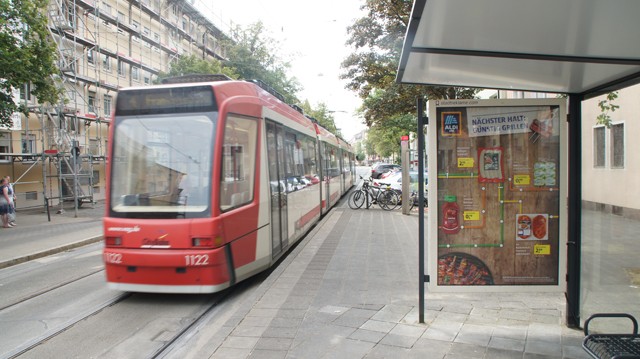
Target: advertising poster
<point>498,192</point>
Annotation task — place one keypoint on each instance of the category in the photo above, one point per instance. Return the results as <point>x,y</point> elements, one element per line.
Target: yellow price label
<point>471,215</point>
<point>465,162</point>
<point>522,180</point>
<point>542,249</point>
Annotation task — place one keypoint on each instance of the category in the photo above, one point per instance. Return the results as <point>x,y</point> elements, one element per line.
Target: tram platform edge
<point>38,235</point>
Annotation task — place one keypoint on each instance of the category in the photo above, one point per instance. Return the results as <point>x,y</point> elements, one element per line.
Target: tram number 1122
<point>196,259</point>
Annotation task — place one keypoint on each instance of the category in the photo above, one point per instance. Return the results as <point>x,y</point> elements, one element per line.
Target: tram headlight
<point>202,242</point>
<point>113,241</point>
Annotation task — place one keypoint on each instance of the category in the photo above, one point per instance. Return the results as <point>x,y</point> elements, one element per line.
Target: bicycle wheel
<point>413,200</point>
<point>357,199</point>
<point>388,200</point>
<point>371,200</point>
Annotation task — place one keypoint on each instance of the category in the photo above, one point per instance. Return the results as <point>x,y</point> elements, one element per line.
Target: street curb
<point>48,252</point>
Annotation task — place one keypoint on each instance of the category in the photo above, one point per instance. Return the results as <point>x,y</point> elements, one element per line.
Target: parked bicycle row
<point>383,195</point>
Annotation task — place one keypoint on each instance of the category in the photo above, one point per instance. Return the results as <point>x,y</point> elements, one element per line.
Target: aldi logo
<point>451,123</point>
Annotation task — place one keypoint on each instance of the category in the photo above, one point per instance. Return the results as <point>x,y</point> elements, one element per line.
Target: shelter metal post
<point>574,225</point>
<point>422,120</point>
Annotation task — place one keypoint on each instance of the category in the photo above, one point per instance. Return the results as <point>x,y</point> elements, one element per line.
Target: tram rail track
<point>49,289</point>
<point>27,346</point>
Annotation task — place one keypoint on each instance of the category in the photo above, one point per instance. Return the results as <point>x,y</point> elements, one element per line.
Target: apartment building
<point>58,153</point>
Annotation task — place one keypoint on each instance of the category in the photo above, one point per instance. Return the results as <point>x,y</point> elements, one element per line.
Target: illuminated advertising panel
<point>497,174</point>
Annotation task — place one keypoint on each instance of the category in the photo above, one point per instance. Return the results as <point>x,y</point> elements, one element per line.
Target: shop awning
<point>585,47</point>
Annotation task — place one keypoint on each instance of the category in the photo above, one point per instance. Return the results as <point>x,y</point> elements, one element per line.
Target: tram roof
<point>586,47</point>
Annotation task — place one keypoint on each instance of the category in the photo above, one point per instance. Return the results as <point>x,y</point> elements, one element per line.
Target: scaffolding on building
<point>140,36</point>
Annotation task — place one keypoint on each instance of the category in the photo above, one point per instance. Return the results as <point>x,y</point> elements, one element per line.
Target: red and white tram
<point>209,183</point>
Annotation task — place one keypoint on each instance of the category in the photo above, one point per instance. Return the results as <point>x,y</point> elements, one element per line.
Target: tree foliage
<point>253,55</point>
<point>27,55</point>
<point>192,64</point>
<point>371,70</point>
<point>384,139</point>
<point>322,115</point>
<point>607,106</point>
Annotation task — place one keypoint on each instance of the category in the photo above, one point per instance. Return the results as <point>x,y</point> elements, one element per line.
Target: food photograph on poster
<point>498,194</point>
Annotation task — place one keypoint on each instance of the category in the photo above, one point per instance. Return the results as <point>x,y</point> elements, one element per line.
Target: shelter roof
<point>586,47</point>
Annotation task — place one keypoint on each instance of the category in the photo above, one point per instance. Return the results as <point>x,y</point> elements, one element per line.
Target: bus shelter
<point>582,49</point>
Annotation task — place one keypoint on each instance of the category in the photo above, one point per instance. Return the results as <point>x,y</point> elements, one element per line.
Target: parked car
<point>390,172</point>
<point>380,168</point>
<point>395,181</point>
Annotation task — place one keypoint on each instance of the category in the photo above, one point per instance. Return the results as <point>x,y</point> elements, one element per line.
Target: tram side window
<point>238,162</point>
<point>300,163</point>
<point>345,162</point>
<point>332,165</point>
<point>294,161</point>
<point>310,166</point>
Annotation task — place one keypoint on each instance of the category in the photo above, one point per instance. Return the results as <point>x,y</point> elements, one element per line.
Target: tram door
<point>278,185</point>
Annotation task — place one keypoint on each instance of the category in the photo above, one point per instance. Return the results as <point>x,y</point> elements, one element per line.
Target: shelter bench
<point>612,346</point>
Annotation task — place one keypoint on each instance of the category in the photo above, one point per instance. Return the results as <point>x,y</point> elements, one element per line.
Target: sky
<point>312,35</point>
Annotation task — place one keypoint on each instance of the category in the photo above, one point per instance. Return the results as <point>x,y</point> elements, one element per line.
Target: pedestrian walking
<point>6,204</point>
<point>12,197</point>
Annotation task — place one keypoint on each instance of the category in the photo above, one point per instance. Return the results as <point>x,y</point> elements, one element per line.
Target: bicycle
<point>385,197</point>
<point>414,200</point>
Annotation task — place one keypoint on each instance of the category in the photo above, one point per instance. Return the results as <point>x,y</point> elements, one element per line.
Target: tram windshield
<point>161,166</point>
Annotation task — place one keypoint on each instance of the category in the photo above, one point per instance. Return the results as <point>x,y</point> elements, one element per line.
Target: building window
<point>90,56</point>
<point>5,146</point>
<point>136,26</point>
<point>617,145</point>
<point>94,147</point>
<point>106,63</point>
<point>107,105</point>
<point>25,92</point>
<point>135,73</point>
<point>121,18</point>
<point>69,64</point>
<point>121,68</point>
<point>29,143</point>
<point>156,37</point>
<point>106,8</point>
<point>92,102</point>
<point>599,146</point>
<point>147,80</point>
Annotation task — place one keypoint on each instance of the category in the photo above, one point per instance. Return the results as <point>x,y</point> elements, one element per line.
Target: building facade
<point>58,153</point>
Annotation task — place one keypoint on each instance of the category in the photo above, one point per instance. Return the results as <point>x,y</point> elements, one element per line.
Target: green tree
<point>385,138</point>
<point>323,115</point>
<point>607,106</point>
<point>371,69</point>
<point>360,151</point>
<point>253,55</point>
<point>27,55</point>
<point>192,64</point>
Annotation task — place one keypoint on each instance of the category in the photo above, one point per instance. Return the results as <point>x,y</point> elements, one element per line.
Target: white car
<point>395,181</point>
